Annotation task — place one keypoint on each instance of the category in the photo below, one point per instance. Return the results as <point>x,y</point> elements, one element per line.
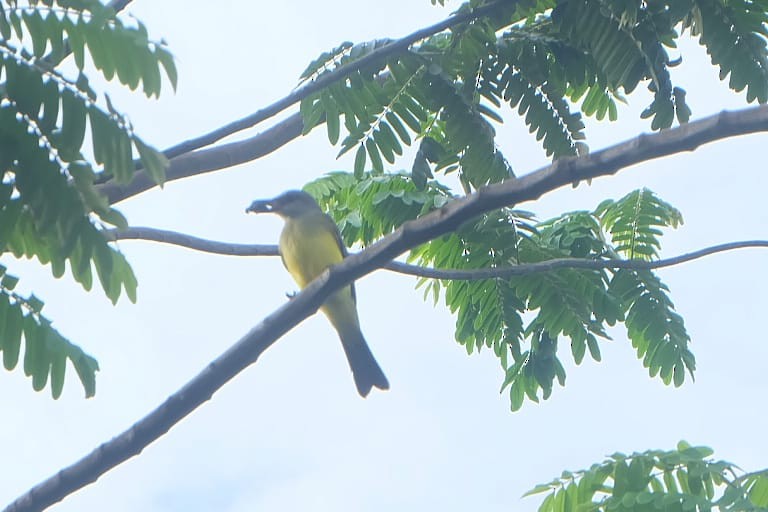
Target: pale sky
<point>291,433</point>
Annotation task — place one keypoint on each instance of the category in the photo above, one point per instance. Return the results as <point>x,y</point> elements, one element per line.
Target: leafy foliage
<point>734,35</point>
<point>573,303</point>
<point>46,350</point>
<point>524,318</point>
<point>368,209</point>
<point>633,223</point>
<point>540,58</point>
<point>676,480</point>
<point>551,62</point>
<point>49,206</point>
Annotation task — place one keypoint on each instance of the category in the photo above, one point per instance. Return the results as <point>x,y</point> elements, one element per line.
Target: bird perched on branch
<point>310,243</point>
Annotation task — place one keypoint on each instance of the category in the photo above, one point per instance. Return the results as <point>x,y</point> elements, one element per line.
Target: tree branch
<point>212,159</point>
<point>560,263</point>
<point>185,161</point>
<point>191,242</point>
<point>247,350</point>
<point>230,249</point>
<point>332,77</point>
<point>474,274</point>
<point>207,160</point>
<point>719,126</point>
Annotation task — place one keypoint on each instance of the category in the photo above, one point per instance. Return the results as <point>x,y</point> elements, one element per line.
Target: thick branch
<point>726,124</point>
<point>474,274</point>
<point>207,160</point>
<point>185,161</point>
<point>375,57</point>
<point>247,350</point>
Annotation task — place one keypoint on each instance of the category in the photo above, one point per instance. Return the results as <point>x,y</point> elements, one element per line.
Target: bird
<point>310,242</point>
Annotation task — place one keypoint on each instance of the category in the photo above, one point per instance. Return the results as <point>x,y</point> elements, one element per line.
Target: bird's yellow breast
<point>308,247</point>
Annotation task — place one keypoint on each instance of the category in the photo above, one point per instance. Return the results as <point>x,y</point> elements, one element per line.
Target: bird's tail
<point>365,370</point>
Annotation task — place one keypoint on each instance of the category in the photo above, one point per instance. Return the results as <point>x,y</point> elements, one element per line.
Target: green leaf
<point>5,306</point>
<point>758,494</point>
<point>373,153</point>
<point>9,282</point>
<point>385,148</point>
<point>36,27</point>
<point>5,27</point>
<point>594,348</point>
<point>42,363</point>
<point>15,20</point>
<point>420,172</point>
<point>73,120</point>
<point>54,30</point>
<point>12,343</point>
<point>58,368</point>
<point>360,161</point>
<point>388,136</point>
<point>401,131</point>
<point>127,277</point>
<point>578,348</point>
<point>25,86</point>
<point>331,119</point>
<point>76,39</point>
<point>50,98</point>
<point>154,162</point>
<point>407,117</point>
<point>33,347</point>
<point>166,59</point>
<point>150,77</point>
<point>86,368</point>
<point>35,304</point>
<point>104,53</point>
<point>539,489</point>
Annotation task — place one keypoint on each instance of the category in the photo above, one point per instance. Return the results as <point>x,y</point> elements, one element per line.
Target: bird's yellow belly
<point>308,252</point>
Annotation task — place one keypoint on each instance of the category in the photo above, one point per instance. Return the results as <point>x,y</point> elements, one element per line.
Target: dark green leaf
<point>73,120</point>
<point>373,153</point>
<point>166,59</point>
<point>154,162</point>
<point>9,282</point>
<point>360,161</point>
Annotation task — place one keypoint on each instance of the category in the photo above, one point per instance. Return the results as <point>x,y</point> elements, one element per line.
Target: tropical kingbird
<point>310,243</point>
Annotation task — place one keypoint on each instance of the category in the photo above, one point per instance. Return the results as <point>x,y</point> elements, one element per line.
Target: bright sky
<point>291,433</point>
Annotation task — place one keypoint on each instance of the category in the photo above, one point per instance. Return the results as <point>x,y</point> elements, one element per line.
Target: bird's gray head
<point>292,203</point>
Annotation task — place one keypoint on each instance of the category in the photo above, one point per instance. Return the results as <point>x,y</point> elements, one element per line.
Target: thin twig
<point>230,249</point>
<point>191,242</point>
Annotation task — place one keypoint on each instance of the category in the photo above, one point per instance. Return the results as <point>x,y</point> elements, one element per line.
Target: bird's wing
<point>344,252</point>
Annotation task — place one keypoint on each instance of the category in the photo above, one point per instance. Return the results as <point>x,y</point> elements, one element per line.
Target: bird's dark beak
<point>260,206</point>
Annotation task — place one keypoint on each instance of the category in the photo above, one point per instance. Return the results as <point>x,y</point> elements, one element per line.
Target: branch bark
<point>375,57</point>
<point>475,274</point>
<point>212,159</point>
<point>248,349</point>
<point>186,160</point>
